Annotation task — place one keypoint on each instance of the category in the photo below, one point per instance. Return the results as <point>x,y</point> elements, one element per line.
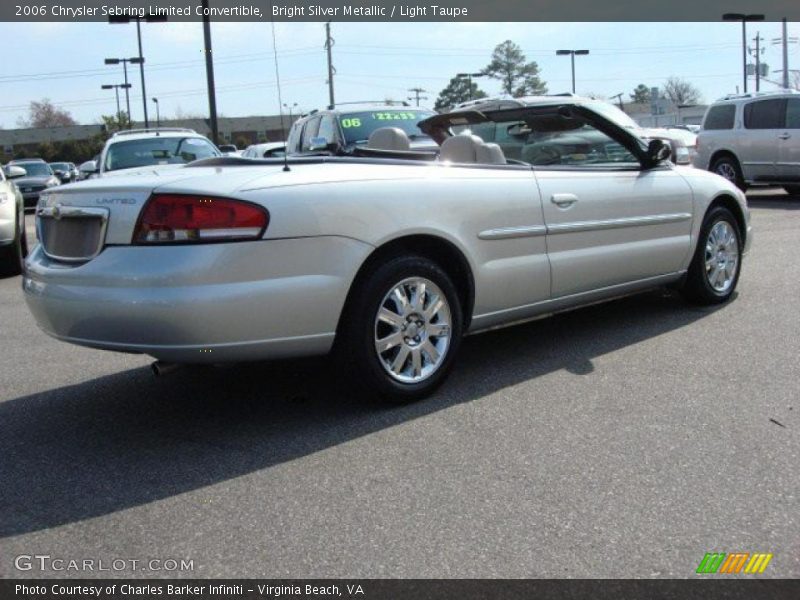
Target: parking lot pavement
<point>622,440</point>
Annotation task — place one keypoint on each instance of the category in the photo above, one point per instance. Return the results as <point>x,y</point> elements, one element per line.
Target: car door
<point>757,142</point>
<point>609,220</point>
<point>789,144</point>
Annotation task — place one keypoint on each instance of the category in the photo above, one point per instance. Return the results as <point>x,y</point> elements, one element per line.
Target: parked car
<point>683,142</point>
<point>387,258</point>
<point>342,128</point>
<point>753,139</point>
<point>267,150</point>
<point>13,240</point>
<point>38,177</point>
<point>229,150</point>
<point>63,171</point>
<point>145,149</point>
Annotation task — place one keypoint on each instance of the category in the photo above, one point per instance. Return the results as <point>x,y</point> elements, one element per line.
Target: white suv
<point>134,149</point>
<point>753,139</point>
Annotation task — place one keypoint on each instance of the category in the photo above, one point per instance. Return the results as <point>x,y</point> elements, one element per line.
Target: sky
<point>374,61</point>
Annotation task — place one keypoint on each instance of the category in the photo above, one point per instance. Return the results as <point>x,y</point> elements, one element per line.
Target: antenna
<point>280,98</point>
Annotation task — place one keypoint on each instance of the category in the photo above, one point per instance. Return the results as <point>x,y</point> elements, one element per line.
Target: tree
<point>518,77</point>
<point>641,94</point>
<point>46,114</point>
<point>117,122</point>
<point>460,89</point>
<point>680,91</point>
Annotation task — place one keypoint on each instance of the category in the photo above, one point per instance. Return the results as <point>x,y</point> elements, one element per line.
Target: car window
<point>552,140</point>
<point>793,113</point>
<point>309,132</point>
<point>358,126</point>
<point>720,117</point>
<point>157,151</point>
<point>327,128</point>
<point>293,141</point>
<point>765,114</point>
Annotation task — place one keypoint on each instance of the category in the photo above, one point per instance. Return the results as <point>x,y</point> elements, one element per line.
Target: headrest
<point>461,148</point>
<point>490,154</point>
<point>389,138</point>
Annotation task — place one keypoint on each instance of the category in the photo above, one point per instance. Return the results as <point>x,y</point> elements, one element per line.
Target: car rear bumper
<point>199,304</point>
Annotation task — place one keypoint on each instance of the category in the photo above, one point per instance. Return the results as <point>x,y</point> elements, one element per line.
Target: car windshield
<point>59,166</point>
<point>36,169</point>
<point>157,151</point>
<point>358,126</point>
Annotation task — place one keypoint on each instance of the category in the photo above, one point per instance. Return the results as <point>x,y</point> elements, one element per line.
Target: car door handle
<point>784,136</point>
<point>563,200</point>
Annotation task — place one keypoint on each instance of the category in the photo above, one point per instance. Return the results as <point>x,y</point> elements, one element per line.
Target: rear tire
<point>401,330</point>
<point>728,167</point>
<point>714,271</point>
<point>792,190</point>
<point>11,259</point>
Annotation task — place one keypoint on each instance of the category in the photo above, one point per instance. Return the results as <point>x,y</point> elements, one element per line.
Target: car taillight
<point>185,218</point>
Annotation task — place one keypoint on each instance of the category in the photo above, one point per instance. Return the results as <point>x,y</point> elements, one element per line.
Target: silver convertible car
<point>386,256</point>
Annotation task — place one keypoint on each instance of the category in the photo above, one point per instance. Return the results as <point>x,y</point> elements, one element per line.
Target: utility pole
<point>784,41</point>
<point>785,56</point>
<point>757,40</point>
<point>417,91</point>
<point>744,19</point>
<point>329,41</point>
<point>619,101</point>
<point>212,94</point>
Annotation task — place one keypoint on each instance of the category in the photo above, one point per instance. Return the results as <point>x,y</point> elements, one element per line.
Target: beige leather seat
<point>389,138</point>
<point>468,148</point>
<point>490,154</point>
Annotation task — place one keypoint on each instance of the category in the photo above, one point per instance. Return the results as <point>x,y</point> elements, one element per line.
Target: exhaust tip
<point>161,368</point>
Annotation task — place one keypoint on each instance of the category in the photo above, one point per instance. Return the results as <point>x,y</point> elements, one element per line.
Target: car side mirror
<point>89,167</point>
<point>657,151</point>
<point>14,172</point>
<point>320,143</point>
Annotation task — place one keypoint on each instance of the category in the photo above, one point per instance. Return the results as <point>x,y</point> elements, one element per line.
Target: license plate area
<point>71,233</point>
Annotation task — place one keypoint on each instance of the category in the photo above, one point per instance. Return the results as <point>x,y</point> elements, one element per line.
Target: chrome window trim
<point>59,212</point>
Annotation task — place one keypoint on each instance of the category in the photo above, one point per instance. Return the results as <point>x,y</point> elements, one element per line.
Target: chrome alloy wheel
<point>412,330</point>
<point>722,256</point>
<point>727,170</point>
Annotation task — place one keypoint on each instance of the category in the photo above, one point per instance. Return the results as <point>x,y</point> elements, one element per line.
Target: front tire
<point>728,167</point>
<point>714,271</point>
<point>401,330</point>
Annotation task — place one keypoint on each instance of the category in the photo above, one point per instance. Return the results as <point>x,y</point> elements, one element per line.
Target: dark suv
<point>342,128</point>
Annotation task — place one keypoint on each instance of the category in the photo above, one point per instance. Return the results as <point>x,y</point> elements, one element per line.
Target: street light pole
<point>158,113</point>
<point>116,87</point>
<point>468,77</point>
<point>289,107</point>
<point>572,54</point>
<point>151,18</point>
<point>744,19</point>
<point>125,61</point>
<point>212,93</point>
